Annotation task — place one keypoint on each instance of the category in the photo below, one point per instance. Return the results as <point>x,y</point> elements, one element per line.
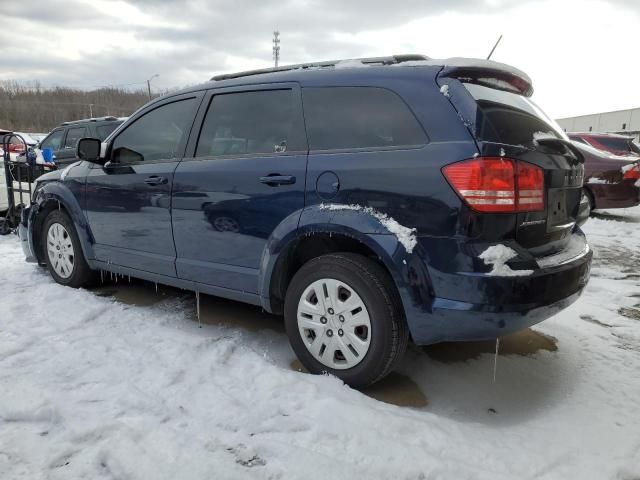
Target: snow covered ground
<point>121,383</point>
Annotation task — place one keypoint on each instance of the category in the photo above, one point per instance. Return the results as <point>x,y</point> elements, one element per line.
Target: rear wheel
<point>343,317</point>
<point>63,253</point>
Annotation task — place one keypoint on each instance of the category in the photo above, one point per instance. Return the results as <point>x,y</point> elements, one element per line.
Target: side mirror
<point>89,149</point>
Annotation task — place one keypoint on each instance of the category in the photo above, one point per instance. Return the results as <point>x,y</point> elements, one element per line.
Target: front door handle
<point>155,180</point>
<point>275,179</point>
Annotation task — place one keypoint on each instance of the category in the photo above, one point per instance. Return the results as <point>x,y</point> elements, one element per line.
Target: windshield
<point>509,118</point>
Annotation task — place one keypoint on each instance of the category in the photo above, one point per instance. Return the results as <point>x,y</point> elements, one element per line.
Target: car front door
<point>53,142</point>
<point>243,176</point>
<point>128,199</point>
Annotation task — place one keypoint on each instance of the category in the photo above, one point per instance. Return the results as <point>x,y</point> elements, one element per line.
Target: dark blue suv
<point>370,202</point>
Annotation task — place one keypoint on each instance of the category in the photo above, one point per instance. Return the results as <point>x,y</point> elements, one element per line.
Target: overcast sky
<point>583,55</point>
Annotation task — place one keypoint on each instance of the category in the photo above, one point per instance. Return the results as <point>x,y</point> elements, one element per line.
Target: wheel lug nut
<point>340,332</point>
<point>329,333</point>
<point>341,318</point>
<point>323,319</point>
<point>331,311</point>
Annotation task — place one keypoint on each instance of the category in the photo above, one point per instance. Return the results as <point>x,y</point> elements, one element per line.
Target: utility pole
<point>91,110</point>
<point>276,47</point>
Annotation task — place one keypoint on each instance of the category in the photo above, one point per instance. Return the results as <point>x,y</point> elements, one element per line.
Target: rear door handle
<point>274,179</point>
<point>155,180</point>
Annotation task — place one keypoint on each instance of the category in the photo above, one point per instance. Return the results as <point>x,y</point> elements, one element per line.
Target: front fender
<point>407,269</point>
<point>58,194</point>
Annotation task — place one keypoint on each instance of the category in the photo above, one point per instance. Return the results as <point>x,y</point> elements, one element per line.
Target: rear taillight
<point>16,148</point>
<point>631,172</point>
<point>497,184</point>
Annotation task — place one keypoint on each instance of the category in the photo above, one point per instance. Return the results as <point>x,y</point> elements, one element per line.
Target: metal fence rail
<point>19,177</point>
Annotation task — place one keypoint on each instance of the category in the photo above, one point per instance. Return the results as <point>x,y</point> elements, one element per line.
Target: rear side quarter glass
<point>339,118</point>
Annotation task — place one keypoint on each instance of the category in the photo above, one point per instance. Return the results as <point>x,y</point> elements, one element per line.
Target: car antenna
<point>494,47</point>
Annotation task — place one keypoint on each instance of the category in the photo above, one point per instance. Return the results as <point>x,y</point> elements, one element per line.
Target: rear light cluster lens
<point>16,148</point>
<point>632,173</point>
<point>498,184</point>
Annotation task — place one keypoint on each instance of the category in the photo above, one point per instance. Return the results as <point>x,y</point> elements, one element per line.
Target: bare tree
<point>29,107</point>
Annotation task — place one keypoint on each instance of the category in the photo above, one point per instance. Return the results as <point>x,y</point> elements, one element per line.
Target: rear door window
<point>73,135</point>
<point>340,118</point>
<point>252,123</point>
<point>509,118</point>
<point>103,131</point>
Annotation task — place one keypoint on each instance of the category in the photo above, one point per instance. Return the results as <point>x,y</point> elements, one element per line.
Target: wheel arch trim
<point>58,194</point>
<point>402,266</point>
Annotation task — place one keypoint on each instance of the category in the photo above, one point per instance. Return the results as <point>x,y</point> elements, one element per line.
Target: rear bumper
<point>24,232</point>
<point>623,194</point>
<point>479,306</point>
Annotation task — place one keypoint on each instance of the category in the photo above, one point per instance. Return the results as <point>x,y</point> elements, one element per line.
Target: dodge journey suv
<point>370,202</point>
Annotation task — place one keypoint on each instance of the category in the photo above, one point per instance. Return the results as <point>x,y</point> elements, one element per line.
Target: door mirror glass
<point>89,149</point>
<point>124,155</point>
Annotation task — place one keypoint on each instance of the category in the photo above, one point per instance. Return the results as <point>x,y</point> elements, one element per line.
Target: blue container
<point>47,154</point>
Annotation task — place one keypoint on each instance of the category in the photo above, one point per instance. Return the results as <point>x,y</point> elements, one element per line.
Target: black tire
<point>389,333</point>
<point>81,274</point>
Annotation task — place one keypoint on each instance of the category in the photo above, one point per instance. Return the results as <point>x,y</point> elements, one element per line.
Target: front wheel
<point>63,253</point>
<point>343,316</point>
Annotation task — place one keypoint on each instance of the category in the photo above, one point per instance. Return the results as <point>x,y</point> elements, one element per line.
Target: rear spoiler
<point>560,142</point>
<point>484,72</point>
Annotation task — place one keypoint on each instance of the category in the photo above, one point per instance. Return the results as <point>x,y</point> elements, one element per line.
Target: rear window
<point>509,118</point>
<point>619,146</point>
<point>358,117</point>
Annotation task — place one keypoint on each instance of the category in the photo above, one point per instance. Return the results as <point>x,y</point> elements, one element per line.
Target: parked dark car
<point>609,142</point>
<point>415,199</point>
<point>610,181</point>
<point>62,140</point>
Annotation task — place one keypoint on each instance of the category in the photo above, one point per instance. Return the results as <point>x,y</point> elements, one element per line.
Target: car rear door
<point>128,199</point>
<point>67,153</point>
<point>244,176</point>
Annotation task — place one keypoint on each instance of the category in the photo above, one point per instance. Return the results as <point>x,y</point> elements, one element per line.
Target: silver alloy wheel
<point>60,250</point>
<point>334,323</point>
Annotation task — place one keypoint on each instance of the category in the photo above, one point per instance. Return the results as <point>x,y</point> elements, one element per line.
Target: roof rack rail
<point>390,60</point>
<point>93,119</point>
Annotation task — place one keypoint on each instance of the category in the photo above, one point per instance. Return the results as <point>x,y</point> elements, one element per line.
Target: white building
<point>626,122</point>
